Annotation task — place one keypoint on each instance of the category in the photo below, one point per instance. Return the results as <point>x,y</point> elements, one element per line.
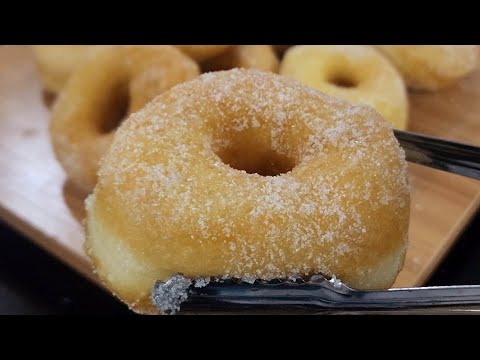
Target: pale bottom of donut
<point>133,279</point>
<point>129,279</point>
<point>386,269</point>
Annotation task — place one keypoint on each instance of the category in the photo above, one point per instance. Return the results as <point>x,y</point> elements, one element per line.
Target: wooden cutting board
<point>37,199</point>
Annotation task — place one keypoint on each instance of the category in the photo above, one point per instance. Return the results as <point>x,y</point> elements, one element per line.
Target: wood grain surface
<point>37,199</point>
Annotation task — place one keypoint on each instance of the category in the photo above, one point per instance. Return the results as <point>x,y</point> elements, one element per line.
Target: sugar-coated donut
<point>432,67</point>
<point>248,174</point>
<point>203,52</point>
<point>55,63</point>
<point>356,73</point>
<point>114,81</point>
<point>260,57</point>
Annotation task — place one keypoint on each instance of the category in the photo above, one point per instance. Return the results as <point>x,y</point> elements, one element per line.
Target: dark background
<point>34,282</point>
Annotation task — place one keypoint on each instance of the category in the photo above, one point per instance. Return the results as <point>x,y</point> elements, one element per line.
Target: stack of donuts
<point>248,161</point>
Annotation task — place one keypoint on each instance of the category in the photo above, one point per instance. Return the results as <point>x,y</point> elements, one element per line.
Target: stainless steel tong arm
<point>454,157</point>
<point>317,295</point>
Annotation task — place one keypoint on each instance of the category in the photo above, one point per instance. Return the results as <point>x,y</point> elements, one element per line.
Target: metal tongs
<point>319,295</point>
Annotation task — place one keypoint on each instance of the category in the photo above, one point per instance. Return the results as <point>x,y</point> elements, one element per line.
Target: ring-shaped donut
<point>112,83</point>
<point>247,174</point>
<point>356,73</point>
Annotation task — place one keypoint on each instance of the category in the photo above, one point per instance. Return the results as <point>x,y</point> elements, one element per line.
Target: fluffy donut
<point>55,63</point>
<point>114,81</point>
<point>248,174</point>
<point>432,67</point>
<point>358,74</point>
<point>203,52</point>
<point>260,57</point>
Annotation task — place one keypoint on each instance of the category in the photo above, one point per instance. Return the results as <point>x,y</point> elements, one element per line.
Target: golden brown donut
<point>55,63</point>
<point>355,73</point>
<point>432,67</point>
<point>203,52</point>
<point>114,81</point>
<point>260,57</point>
<point>248,174</point>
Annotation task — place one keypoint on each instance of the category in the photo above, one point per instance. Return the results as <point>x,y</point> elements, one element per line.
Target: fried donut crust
<point>355,73</point>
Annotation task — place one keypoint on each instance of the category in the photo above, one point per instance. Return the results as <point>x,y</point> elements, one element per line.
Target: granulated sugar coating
<point>249,175</point>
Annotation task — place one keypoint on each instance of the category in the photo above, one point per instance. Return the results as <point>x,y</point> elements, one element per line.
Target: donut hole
<point>343,80</point>
<point>254,158</point>
<point>115,111</point>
